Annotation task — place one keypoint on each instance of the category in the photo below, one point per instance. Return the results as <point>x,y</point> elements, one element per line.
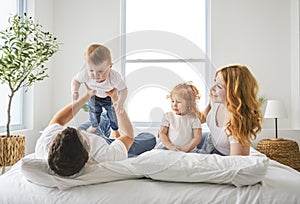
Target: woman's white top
<point>218,135</point>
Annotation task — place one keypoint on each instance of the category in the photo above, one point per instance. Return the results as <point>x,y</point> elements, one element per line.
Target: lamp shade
<point>275,109</point>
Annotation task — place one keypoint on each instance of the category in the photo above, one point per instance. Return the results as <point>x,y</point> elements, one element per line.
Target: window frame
<point>21,8</point>
<point>205,60</point>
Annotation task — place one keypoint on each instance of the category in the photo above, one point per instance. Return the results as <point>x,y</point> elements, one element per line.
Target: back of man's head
<point>67,155</point>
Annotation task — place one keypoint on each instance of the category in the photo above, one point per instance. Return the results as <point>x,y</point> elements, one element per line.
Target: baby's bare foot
<point>91,129</point>
<point>115,134</point>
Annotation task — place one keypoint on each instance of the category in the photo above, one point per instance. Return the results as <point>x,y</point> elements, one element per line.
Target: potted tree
<point>24,49</point>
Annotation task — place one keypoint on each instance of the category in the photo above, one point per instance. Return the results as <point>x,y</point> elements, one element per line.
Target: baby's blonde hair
<point>190,94</point>
<point>97,54</point>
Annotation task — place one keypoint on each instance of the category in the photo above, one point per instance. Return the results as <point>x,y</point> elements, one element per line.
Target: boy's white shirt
<point>114,80</point>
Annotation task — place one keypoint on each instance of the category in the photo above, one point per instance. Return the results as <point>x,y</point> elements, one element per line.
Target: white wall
<point>295,64</point>
<point>78,24</point>
<point>253,32</point>
<point>260,34</point>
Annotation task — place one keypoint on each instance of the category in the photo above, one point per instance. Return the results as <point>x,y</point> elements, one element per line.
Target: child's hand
<point>184,149</point>
<point>173,148</point>
<point>118,108</point>
<point>75,95</point>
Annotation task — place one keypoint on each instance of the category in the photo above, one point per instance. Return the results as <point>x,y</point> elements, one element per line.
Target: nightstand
<point>281,150</point>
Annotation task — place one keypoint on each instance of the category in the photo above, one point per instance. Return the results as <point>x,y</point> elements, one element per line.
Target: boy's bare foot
<point>114,134</point>
<point>91,129</point>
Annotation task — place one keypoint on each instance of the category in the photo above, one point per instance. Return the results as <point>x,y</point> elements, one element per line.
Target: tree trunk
<point>8,113</point>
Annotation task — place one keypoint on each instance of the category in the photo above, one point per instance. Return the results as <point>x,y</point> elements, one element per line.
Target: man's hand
<point>125,126</point>
<point>118,107</point>
<point>89,91</point>
<point>75,95</point>
<point>113,94</point>
<point>66,114</point>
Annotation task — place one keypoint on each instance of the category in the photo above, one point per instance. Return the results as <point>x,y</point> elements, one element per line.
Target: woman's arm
<point>164,138</point>
<point>204,113</point>
<point>238,149</point>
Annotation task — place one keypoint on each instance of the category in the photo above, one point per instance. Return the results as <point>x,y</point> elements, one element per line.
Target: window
<point>7,9</point>
<point>163,43</point>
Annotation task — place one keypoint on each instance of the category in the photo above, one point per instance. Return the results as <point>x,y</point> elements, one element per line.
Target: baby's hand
<point>118,108</point>
<point>173,148</point>
<point>75,95</point>
<point>184,149</point>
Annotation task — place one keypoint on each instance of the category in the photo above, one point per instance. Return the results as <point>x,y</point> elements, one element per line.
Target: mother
<point>233,114</point>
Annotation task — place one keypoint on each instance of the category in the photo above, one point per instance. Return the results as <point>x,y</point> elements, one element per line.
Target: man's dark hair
<point>67,154</point>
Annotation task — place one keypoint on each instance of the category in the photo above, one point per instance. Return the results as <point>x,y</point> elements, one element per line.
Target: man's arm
<point>125,126</point>
<point>66,114</point>
<point>118,105</point>
<point>122,95</point>
<point>75,85</point>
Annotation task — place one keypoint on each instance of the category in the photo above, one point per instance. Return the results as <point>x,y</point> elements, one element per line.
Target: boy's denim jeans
<point>96,106</point>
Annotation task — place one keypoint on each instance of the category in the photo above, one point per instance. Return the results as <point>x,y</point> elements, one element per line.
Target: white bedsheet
<point>280,185</point>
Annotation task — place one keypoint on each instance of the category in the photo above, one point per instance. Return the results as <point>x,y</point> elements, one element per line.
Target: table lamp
<point>275,109</point>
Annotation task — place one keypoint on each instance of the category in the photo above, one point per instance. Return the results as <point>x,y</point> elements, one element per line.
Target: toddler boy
<point>100,77</point>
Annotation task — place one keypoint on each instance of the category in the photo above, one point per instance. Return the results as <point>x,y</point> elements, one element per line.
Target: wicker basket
<point>281,150</point>
<point>12,149</point>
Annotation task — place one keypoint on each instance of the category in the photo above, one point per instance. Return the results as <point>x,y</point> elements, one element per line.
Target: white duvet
<point>280,184</point>
<point>158,165</point>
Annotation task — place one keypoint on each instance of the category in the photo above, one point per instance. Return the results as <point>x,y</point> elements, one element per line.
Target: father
<point>67,150</point>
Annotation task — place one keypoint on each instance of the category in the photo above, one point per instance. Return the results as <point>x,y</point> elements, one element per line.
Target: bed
<point>263,181</point>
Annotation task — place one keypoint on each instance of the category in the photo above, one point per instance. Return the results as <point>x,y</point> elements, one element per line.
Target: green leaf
<point>25,49</point>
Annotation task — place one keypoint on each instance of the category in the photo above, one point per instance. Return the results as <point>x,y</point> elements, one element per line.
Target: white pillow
<point>161,165</point>
<point>37,171</point>
<point>192,167</point>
